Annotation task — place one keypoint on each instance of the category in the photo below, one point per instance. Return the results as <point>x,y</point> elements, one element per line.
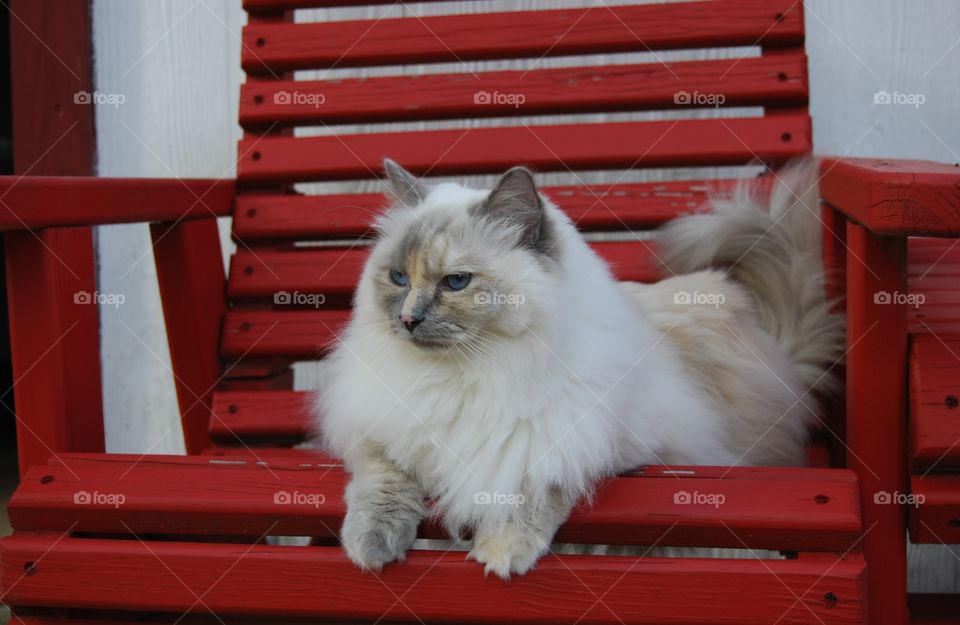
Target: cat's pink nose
<point>410,321</point>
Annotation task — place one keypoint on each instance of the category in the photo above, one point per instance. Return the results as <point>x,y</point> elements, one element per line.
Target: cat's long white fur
<point>604,376</point>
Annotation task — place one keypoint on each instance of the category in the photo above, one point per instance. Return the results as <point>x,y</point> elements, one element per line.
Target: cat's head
<point>455,267</point>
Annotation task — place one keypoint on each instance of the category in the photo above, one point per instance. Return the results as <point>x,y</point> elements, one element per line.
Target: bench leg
<point>876,412</point>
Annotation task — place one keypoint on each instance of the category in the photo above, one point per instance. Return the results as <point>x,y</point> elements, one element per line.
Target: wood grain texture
<point>701,142</point>
<point>935,402</point>
<point>876,410</point>
<point>594,208</point>
<point>293,335</point>
<point>36,202</point>
<point>264,419</point>
<point>54,340</point>
<point>192,284</point>
<point>274,6</point>
<point>902,197</point>
<point>435,587</point>
<point>803,509</point>
<point>277,275</point>
<point>598,29</point>
<point>933,267</point>
<point>770,80</point>
<point>276,416</point>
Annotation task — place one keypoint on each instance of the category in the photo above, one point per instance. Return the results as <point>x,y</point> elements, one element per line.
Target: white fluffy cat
<point>494,366</point>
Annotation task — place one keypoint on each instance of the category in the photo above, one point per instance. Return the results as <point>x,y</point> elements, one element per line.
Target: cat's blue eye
<point>458,281</point>
<point>399,278</point>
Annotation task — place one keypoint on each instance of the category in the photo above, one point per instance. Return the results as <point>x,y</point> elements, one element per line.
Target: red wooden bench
<point>113,538</point>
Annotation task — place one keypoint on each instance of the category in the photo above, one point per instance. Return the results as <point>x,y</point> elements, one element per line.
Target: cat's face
<point>456,268</point>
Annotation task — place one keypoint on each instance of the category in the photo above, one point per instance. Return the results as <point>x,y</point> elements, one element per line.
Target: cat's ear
<point>406,188</point>
<point>515,200</point>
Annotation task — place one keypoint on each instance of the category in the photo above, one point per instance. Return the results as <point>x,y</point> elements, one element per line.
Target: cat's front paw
<point>371,541</point>
<point>509,552</point>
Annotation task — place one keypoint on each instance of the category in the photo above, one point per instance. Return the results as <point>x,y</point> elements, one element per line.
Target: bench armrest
<point>894,197</point>
<point>34,202</point>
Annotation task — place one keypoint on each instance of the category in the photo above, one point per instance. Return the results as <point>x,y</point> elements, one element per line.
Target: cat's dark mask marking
<point>515,201</point>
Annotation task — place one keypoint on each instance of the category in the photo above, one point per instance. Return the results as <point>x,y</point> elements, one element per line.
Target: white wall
<point>177,64</point>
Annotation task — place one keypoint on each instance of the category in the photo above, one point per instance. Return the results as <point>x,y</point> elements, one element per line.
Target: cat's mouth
<point>433,341</point>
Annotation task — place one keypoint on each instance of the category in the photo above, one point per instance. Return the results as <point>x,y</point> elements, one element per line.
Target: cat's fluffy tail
<point>773,246</point>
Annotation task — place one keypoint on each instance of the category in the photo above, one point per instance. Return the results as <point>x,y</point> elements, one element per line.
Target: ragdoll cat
<point>494,366</point>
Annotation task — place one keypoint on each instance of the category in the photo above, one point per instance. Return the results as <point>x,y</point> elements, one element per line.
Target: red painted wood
<point>741,82</point>
<point>937,519</point>
<point>895,196</point>
<point>50,294</point>
<point>434,587</point>
<point>281,276</point>
<point>258,375</point>
<point>54,341</point>
<point>258,418</point>
<point>925,609</point>
<point>278,275</point>
<point>297,334</point>
<point>304,332</point>
<point>272,6</point>
<point>935,402</point>
<point>237,457</point>
<point>594,30</point>
<point>876,411</point>
<point>638,206</point>
<point>545,148</point>
<point>252,451</point>
<point>262,416</point>
<point>261,216</point>
<point>36,202</point>
<point>808,509</point>
<point>933,267</point>
<point>192,290</point>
